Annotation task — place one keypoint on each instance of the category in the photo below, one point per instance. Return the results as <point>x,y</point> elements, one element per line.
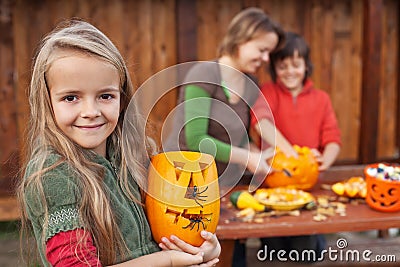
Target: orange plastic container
<point>382,195</point>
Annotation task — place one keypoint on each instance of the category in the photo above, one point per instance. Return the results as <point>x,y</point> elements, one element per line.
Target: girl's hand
<point>210,247</point>
<point>210,263</point>
<point>173,258</point>
<point>181,259</point>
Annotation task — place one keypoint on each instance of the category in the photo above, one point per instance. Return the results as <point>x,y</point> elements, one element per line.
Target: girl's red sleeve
<point>63,249</point>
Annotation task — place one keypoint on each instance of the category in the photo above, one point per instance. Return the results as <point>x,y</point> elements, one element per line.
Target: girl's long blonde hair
<point>45,136</point>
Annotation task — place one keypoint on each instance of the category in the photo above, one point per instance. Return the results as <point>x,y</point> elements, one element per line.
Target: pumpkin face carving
<point>304,170</point>
<point>183,195</point>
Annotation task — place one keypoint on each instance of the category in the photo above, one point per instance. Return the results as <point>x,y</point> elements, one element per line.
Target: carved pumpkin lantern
<point>383,193</point>
<point>300,173</point>
<point>183,195</point>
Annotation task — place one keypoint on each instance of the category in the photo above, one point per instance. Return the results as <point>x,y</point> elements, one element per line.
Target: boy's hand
<point>320,159</point>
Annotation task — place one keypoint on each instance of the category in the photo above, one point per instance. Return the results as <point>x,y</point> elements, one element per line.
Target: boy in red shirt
<point>302,115</point>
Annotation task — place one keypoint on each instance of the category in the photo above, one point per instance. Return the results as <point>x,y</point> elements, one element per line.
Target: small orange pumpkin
<point>183,195</point>
<point>304,170</point>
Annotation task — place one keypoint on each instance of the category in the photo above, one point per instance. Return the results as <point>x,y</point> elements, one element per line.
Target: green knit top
<point>62,192</point>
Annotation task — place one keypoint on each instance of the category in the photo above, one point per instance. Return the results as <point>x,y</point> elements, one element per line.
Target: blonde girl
<point>77,195</point>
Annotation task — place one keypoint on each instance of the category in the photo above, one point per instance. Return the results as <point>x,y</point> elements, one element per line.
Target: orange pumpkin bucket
<point>183,195</point>
<point>383,191</point>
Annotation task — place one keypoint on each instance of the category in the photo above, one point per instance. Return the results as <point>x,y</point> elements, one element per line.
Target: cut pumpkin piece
<point>338,188</point>
<point>352,187</point>
<point>363,192</point>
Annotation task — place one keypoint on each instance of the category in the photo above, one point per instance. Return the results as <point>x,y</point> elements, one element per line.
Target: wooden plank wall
<point>389,87</point>
<point>156,34</point>
<point>8,128</point>
<point>334,31</point>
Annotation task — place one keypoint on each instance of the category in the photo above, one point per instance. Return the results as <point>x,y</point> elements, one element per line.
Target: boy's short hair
<point>293,42</point>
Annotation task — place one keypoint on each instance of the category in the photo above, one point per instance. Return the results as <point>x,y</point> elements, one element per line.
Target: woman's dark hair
<point>293,42</point>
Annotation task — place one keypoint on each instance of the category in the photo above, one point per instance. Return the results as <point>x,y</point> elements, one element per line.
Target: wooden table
<point>9,209</point>
<point>358,218</point>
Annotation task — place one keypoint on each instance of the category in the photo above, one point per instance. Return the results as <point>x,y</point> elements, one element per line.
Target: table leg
<point>225,259</point>
<point>384,233</point>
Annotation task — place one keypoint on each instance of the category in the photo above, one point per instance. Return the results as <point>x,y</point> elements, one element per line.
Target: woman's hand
<point>289,151</point>
<point>210,247</point>
<point>257,163</point>
<point>254,161</point>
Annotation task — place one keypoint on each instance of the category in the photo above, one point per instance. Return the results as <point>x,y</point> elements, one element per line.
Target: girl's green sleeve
<point>197,112</point>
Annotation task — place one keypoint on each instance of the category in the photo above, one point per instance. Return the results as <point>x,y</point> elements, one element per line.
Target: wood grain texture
<point>356,58</point>
<point>370,81</point>
<point>358,217</point>
<point>389,79</point>
<point>8,111</point>
<point>9,210</point>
